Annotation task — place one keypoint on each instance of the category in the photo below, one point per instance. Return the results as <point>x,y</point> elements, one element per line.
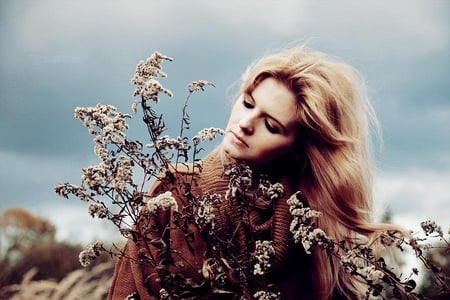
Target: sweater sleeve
<point>128,278</point>
<point>132,275</point>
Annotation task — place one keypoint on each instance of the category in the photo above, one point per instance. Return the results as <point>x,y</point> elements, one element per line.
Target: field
<point>83,283</point>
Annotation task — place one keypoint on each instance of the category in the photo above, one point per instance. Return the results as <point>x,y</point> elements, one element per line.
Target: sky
<point>57,55</point>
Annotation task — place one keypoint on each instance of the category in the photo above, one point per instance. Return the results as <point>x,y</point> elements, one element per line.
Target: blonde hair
<point>333,116</point>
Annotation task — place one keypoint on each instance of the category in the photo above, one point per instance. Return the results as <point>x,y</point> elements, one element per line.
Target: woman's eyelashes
<point>271,128</point>
<point>247,103</point>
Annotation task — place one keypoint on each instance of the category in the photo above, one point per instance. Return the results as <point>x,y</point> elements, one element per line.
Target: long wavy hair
<point>333,151</point>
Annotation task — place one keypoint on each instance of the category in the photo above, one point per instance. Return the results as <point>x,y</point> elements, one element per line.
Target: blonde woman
<point>301,120</point>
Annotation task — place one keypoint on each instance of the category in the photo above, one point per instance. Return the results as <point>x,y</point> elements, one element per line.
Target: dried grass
<point>79,284</point>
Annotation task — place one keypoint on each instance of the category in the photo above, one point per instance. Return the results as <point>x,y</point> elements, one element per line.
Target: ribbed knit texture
<point>273,222</point>
<point>229,218</point>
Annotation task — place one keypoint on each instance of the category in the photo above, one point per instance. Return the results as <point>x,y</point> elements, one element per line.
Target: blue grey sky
<point>57,55</point>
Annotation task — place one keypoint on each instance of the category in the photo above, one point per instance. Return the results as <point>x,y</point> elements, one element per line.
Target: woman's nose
<point>246,124</point>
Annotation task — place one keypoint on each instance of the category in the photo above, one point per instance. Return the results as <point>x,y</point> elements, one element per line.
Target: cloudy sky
<point>57,55</point>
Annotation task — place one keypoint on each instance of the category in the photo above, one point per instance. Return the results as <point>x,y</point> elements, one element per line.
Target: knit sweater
<point>290,267</point>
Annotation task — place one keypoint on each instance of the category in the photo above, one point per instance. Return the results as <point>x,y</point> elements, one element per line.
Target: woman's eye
<point>247,104</point>
<point>270,128</point>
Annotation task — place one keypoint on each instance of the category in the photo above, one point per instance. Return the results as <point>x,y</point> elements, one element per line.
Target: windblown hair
<point>333,145</point>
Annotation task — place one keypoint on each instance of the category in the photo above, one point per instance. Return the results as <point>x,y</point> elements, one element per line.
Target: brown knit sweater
<point>290,266</point>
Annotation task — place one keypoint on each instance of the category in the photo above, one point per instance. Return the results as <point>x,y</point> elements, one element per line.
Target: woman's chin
<point>231,152</point>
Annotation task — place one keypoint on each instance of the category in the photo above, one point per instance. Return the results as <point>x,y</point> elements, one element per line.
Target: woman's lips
<point>239,140</point>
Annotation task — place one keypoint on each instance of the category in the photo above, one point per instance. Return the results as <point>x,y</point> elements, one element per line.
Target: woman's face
<point>262,126</point>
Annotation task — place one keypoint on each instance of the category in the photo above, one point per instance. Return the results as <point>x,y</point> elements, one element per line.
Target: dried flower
<point>164,201</point>
<point>66,188</point>
<point>132,296</point>
<point>302,226</point>
<point>198,85</point>
<point>208,134</point>
<point>104,121</point>
<point>204,210</point>
<point>430,227</point>
<point>152,66</point>
<point>276,191</point>
<point>124,174</point>
<point>240,179</point>
<point>95,176</point>
<point>373,275</point>
<point>163,294</point>
<point>146,72</point>
<point>390,238</point>
<point>264,295</point>
<point>101,150</point>
<point>270,191</point>
<point>263,252</point>
<point>99,210</point>
<point>168,143</point>
<point>91,252</point>
<point>134,106</point>
<point>150,90</point>
<point>352,261</point>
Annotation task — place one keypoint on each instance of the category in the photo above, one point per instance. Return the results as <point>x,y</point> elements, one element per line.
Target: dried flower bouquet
<point>113,192</point>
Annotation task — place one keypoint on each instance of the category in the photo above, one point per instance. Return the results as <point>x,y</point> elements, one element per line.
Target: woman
<point>300,120</point>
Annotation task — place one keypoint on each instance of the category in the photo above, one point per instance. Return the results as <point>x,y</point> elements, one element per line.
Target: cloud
<point>75,225</point>
<point>403,30</point>
<point>28,180</point>
<point>414,196</point>
<point>399,30</point>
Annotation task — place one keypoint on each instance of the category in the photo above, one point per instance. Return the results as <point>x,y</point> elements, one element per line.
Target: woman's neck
<point>274,170</point>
